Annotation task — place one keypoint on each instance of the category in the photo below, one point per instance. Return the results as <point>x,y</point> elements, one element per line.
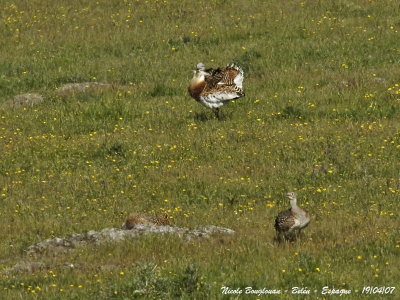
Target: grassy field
<point>320,117</point>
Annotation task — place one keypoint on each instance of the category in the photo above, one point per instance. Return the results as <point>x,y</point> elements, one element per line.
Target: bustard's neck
<point>295,208</point>
<point>293,204</point>
<point>198,77</point>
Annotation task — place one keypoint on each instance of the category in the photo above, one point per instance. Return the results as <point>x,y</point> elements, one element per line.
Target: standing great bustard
<point>214,88</point>
<point>294,218</point>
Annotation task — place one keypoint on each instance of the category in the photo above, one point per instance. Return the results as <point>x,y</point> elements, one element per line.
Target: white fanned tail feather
<point>239,77</point>
<point>218,99</point>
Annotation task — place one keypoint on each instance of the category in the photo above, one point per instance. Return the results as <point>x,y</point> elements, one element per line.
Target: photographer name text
<point>326,290</point>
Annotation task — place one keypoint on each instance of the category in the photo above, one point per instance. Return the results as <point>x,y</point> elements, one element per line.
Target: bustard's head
<point>200,66</point>
<point>200,71</point>
<point>292,198</point>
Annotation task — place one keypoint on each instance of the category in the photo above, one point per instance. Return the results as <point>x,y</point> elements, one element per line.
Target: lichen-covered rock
<point>52,245</point>
<point>24,99</point>
<point>112,235</point>
<point>80,87</point>
<point>27,266</point>
<point>208,231</point>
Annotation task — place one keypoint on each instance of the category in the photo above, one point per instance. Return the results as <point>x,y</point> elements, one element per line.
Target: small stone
<point>379,80</point>
<point>346,84</point>
<point>109,267</point>
<point>69,265</point>
<point>71,88</point>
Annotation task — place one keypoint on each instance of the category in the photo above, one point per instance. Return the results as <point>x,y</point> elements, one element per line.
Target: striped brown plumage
<point>215,87</point>
<point>284,221</point>
<point>140,218</point>
<point>295,218</point>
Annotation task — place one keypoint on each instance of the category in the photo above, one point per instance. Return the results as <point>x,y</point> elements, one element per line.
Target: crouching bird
<point>215,87</point>
<point>143,219</point>
<point>289,220</point>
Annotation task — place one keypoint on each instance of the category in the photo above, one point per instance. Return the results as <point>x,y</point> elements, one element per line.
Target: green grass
<point>83,161</point>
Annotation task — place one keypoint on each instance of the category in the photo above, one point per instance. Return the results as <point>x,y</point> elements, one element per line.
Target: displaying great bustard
<point>215,87</point>
<point>289,220</point>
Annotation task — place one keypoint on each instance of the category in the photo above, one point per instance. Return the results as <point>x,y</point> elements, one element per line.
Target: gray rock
<point>112,235</point>
<point>209,230</point>
<point>68,265</point>
<point>108,235</point>
<point>109,267</point>
<point>27,266</point>
<point>53,245</point>
<point>346,84</point>
<point>379,80</point>
<point>80,87</point>
<point>24,99</point>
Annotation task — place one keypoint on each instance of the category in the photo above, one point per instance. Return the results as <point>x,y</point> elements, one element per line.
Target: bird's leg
<point>279,237</point>
<point>216,111</point>
<point>299,233</point>
<point>282,237</point>
<point>291,236</point>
